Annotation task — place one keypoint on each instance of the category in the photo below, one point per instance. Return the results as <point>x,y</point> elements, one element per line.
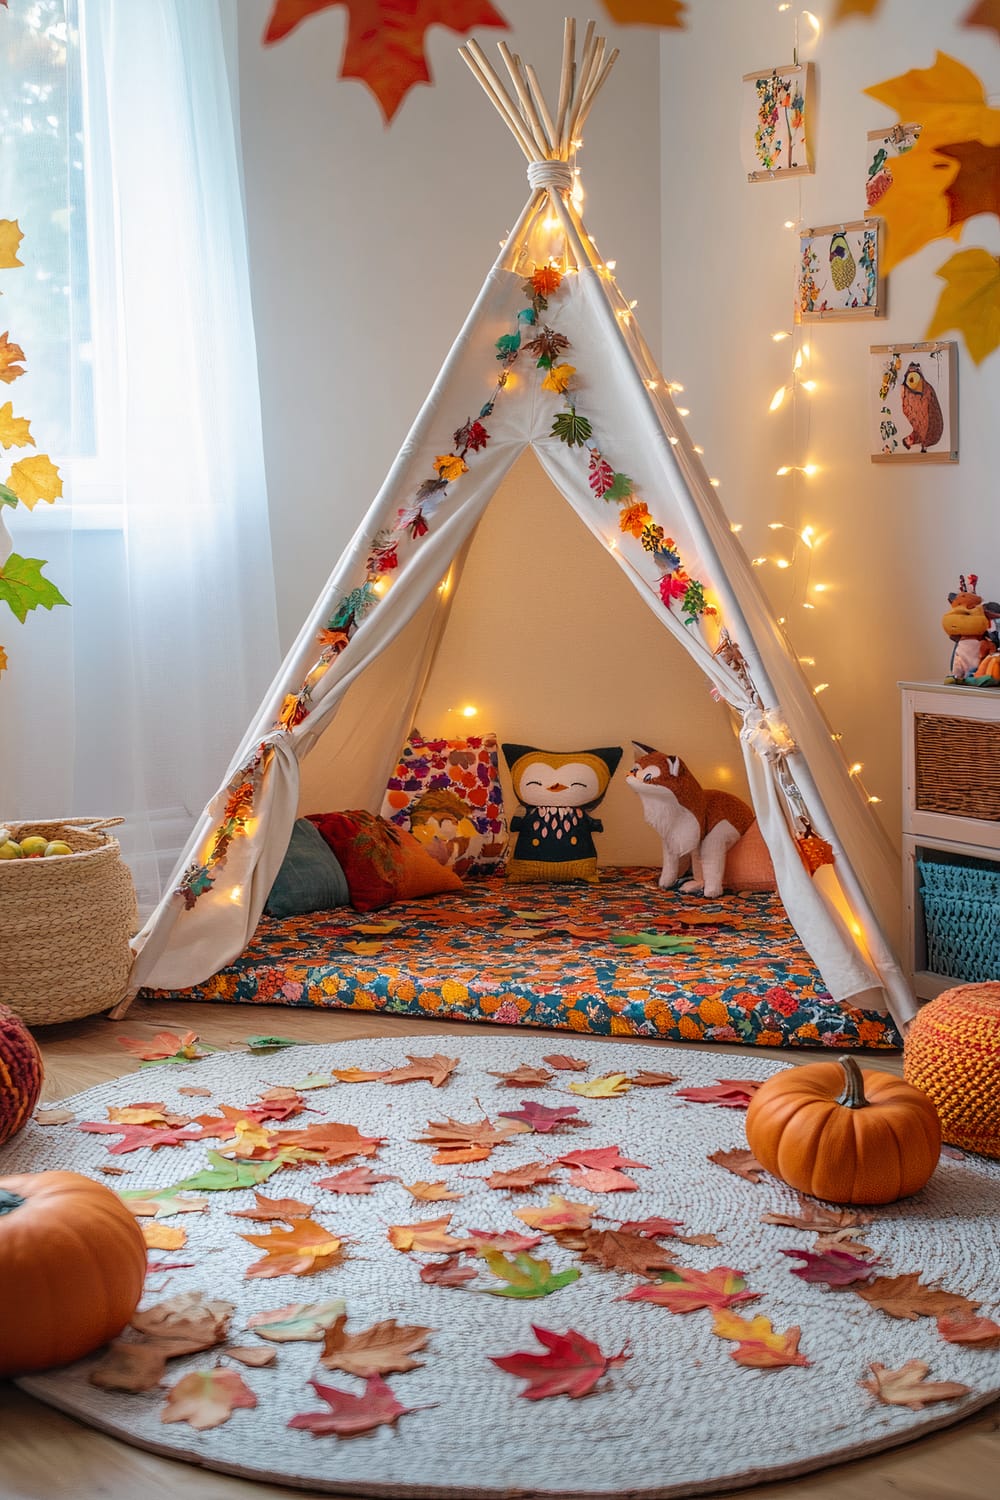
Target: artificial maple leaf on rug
<point>909,1386</point>
<point>557,1214</point>
<point>503,1239</point>
<point>541,1118</point>
<point>562,1063</point>
<point>138,1137</point>
<point>354,1180</point>
<point>525,1275</point>
<point>600,1159</point>
<point>814,1215</point>
<point>222,1176</point>
<point>252,1355</point>
<point>618,1250</point>
<point>759,1346</point>
<point>963,1328</point>
<point>166,1047</point>
<point>741,1163</point>
<point>185,1323</point>
<point>332,1142</point>
<point>300,1251</point>
<point>907,1296</point>
<point>611,1086</point>
<point>684,1290</point>
<point>149,1204</point>
<point>385,41</point>
<point>431,1192</point>
<point>207,1398</point>
<point>435,1070</point>
<point>572,1366</point>
<point>521,1179</point>
<point>728,1093</point>
<point>297,1322</point>
<point>266,1209</point>
<point>451,1271</point>
<point>53,1116</point>
<point>383,1349</point>
<point>193,1092</point>
<point>129,1367</point>
<point>601,1180</point>
<point>428,1237</point>
<point>163,1236</point>
<point>350,1414</point>
<point>831,1267</point>
<point>357,1075</point>
<point>646,1080</point>
<point>652,1227</point>
<point>146,1114</point>
<point>458,1141</point>
<point>524,1076</point>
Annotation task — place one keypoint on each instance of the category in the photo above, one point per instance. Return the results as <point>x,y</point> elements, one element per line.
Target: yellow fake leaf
<point>947,100</point>
<point>14,431</point>
<point>10,239</point>
<point>163,1236</point>
<point>915,207</point>
<point>647,12</point>
<point>847,8</point>
<point>35,478</point>
<point>450,466</point>
<point>3,660</point>
<point>558,379</point>
<point>608,1087</point>
<point>970,302</point>
<point>759,1345</point>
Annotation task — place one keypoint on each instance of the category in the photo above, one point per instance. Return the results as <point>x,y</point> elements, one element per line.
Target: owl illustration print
<point>692,822</point>
<point>922,410</point>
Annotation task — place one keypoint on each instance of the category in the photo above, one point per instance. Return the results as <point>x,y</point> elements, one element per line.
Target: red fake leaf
<point>602,1180</point>
<point>684,1290</point>
<point>274,1208</point>
<point>962,1328</point>
<point>831,1267</point>
<point>568,1064</point>
<point>572,1366</point>
<point>354,1180</point>
<point>350,1414</point>
<point>601,475</point>
<point>652,1226</point>
<point>600,1159</point>
<point>448,1272</point>
<point>730,1093</point>
<point>541,1118</point>
<point>471,437</point>
<point>138,1137</point>
<point>385,41</point>
<point>909,1386</point>
<point>206,1398</point>
<point>531,1175</point>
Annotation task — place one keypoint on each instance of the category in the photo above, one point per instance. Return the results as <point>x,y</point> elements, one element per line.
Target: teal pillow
<point>310,878</point>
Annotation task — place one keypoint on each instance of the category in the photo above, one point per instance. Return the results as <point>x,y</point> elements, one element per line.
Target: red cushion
<point>383,864</point>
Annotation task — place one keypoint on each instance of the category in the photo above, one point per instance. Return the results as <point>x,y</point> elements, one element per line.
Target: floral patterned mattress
<point>585,958</point>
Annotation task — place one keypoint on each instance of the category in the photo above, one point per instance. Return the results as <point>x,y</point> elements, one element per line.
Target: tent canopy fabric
<point>573,380</point>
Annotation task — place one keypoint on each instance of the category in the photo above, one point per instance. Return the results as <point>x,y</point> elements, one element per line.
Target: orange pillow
<point>748,864</point>
<point>382,863</point>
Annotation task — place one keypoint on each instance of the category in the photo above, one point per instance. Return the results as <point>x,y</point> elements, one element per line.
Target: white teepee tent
<point>574,381</point>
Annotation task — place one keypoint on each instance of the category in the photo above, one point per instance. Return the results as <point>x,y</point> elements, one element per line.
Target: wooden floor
<point>47,1456</point>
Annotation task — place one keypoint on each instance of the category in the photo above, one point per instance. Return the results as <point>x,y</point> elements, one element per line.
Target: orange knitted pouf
<point>952,1052</point>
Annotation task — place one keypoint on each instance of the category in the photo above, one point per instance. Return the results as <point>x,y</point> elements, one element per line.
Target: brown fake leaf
<point>531,1175</point>
<point>976,188</point>
<point>354,1180</point>
<point>253,1355</point>
<point>646,1080</point>
<point>53,1116</point>
<point>110,1170</point>
<point>207,1398</point>
<point>129,1367</point>
<point>460,1142</point>
<point>452,1271</point>
<point>185,1323</point>
<point>653,1226</point>
<point>266,1209</point>
<point>562,1063</point>
<point>984,13</point>
<point>431,1192</point>
<point>815,1216</point>
<point>429,1236</point>
<point>332,1142</point>
<point>963,1328</point>
<point>634,1253</point>
<point>379,1350</point>
<point>907,1297</point>
<point>524,1076</point>
<point>909,1386</point>
<point>435,1070</point>
<point>299,1251</point>
<point>741,1163</point>
<point>711,1241</point>
<point>350,1414</point>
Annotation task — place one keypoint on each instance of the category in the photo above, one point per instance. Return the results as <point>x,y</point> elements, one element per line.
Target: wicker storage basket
<point>961,900</point>
<point>65,923</point>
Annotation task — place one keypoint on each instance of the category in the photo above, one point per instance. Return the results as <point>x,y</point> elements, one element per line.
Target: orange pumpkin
<point>850,1137</point>
<point>72,1265</point>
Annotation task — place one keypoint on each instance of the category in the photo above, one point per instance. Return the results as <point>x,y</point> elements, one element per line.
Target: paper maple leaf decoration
<point>647,12</point>
<point>986,13</point>
<point>385,38</point>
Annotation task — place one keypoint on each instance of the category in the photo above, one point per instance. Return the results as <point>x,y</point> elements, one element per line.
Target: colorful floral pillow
<point>383,864</point>
<point>447,794</point>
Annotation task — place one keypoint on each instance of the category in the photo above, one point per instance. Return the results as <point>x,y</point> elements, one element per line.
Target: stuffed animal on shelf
<point>970,624</point>
<point>558,790</point>
<point>691,821</point>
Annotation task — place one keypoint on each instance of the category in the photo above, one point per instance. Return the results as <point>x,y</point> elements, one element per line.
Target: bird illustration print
<point>842,263</point>
<point>922,410</point>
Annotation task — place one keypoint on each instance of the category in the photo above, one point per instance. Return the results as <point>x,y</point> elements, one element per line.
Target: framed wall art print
<point>839,273</point>
<point>776,130</point>
<point>914,403</point>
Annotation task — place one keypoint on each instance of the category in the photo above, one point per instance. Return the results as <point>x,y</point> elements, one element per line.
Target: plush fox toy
<point>689,819</point>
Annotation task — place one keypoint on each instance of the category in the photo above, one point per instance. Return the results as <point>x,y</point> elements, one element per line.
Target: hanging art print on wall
<point>884,147</point>
<point>776,128</point>
<point>914,403</point>
<point>839,272</point>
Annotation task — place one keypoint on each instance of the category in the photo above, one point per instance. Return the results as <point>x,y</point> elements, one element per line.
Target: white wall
<point>895,537</point>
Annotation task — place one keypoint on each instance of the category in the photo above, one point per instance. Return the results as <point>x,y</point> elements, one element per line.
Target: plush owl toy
<point>558,791</point>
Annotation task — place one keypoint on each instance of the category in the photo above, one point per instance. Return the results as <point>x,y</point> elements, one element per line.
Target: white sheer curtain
<point>131,701</point>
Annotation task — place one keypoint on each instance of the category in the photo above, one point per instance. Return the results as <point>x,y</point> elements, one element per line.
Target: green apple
<point>33,847</point>
<point>57,847</point>
<point>9,849</point>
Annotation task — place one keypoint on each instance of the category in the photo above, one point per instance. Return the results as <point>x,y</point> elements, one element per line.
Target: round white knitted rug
<point>678,1417</point>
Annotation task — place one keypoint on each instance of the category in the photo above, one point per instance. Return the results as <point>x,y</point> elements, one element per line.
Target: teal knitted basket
<point>961,900</point>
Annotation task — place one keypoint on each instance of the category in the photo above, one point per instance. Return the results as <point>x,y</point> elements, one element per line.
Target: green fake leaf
<point>525,1276</point>
<point>570,428</point>
<point>620,488</point>
<point>24,588</point>
<point>660,942</point>
<point>7,496</point>
<point>222,1176</point>
<point>507,345</point>
<point>270,1043</point>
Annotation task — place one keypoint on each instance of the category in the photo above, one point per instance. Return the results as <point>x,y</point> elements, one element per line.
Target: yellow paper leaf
<point>947,100</point>
<point>450,465</point>
<point>14,431</point>
<point>915,207</point>
<point>970,302</point>
<point>558,379</point>
<point>163,1236</point>
<point>35,478</point>
<point>647,12</point>
<point>602,1088</point>
<point>10,239</point>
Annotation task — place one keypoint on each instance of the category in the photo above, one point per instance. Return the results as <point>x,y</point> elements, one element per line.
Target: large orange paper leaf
<point>572,1366</point>
<point>299,1251</point>
<point>379,1350</point>
<point>970,302</point>
<point>915,208</point>
<point>206,1398</point>
<point>759,1346</point>
<point>909,1386</point>
<point>685,1290</point>
<point>947,100</point>
<point>350,1414</point>
<point>985,13</point>
<point>647,12</point>
<point>558,1214</point>
<point>385,39</point>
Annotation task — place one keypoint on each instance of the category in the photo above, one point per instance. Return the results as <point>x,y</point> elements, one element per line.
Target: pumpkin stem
<point>8,1202</point>
<point>853,1096</point>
